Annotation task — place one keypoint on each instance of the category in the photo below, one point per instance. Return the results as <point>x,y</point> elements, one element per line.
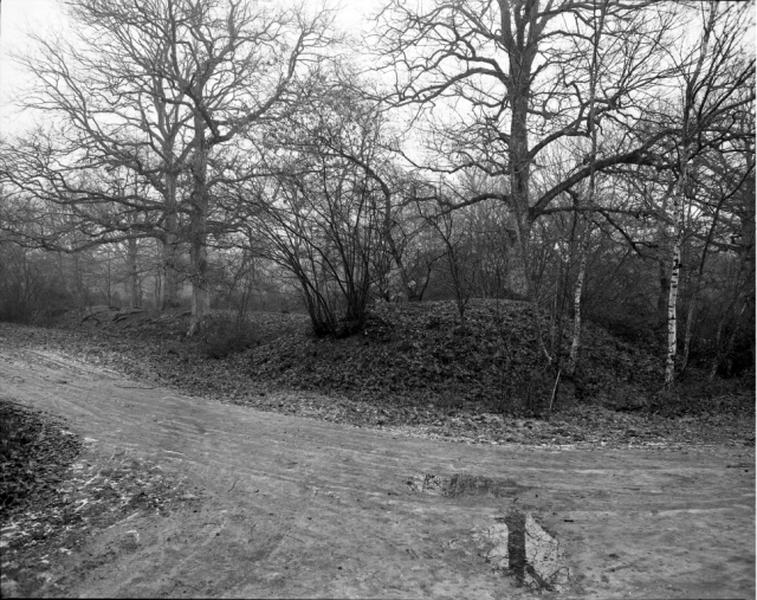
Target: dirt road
<point>294,507</point>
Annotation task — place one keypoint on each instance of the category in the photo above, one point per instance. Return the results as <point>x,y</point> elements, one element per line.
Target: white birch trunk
<point>679,200</point>
<point>575,344</point>
<point>135,293</point>
<point>675,270</point>
<point>672,336</point>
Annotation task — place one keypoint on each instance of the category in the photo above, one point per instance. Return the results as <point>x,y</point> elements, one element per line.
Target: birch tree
<point>599,13</point>
<point>713,77</point>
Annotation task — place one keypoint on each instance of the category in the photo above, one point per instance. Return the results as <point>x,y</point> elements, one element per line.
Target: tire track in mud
<point>295,506</point>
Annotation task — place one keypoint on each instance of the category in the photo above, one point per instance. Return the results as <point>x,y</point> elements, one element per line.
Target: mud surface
<point>293,507</point>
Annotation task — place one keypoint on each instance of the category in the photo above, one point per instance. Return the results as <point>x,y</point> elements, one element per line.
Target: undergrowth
<point>421,353</point>
<point>410,358</point>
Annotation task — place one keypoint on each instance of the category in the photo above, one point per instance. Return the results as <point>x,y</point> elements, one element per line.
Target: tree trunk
<point>723,350</point>
<point>688,135</point>
<point>108,279</point>
<point>78,281</point>
<point>157,290</point>
<point>170,274</point>
<point>694,300</point>
<point>663,277</point>
<point>672,320</point>
<point>135,292</point>
<point>688,329</point>
<point>521,57</point>
<point>679,212</point>
<point>198,252</point>
<point>663,255</point>
<point>575,344</point>
<point>519,279</point>
<point>200,306</point>
<point>585,229</point>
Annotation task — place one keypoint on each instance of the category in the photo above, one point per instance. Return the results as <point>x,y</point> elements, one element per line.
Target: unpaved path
<point>297,507</point>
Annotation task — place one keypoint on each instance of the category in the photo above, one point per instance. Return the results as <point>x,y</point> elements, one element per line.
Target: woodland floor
<point>153,487</point>
<point>413,371</point>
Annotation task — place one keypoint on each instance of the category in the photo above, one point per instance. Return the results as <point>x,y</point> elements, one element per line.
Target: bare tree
<point>724,223</point>
<point>713,79</point>
<point>456,251</point>
<point>324,226</point>
<point>513,77</point>
<point>584,217</point>
<point>161,87</point>
<point>322,204</point>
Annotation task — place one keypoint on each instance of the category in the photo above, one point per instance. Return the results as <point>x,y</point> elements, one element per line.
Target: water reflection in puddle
<point>521,548</point>
<point>516,544</point>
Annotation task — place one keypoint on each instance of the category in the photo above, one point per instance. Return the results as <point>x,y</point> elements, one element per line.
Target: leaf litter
<point>414,370</point>
<point>56,492</point>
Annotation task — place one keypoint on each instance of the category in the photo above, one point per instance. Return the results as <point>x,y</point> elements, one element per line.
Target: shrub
<point>32,289</point>
<point>224,336</point>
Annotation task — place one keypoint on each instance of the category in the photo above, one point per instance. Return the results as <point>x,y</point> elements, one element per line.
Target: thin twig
<point>554,391</point>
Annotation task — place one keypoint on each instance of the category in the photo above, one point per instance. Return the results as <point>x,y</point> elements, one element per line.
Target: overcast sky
<point>46,17</point>
<point>17,18</point>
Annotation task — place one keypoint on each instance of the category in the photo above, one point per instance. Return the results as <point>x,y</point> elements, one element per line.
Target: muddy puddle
<point>515,544</point>
<point>519,547</point>
<point>463,484</point>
